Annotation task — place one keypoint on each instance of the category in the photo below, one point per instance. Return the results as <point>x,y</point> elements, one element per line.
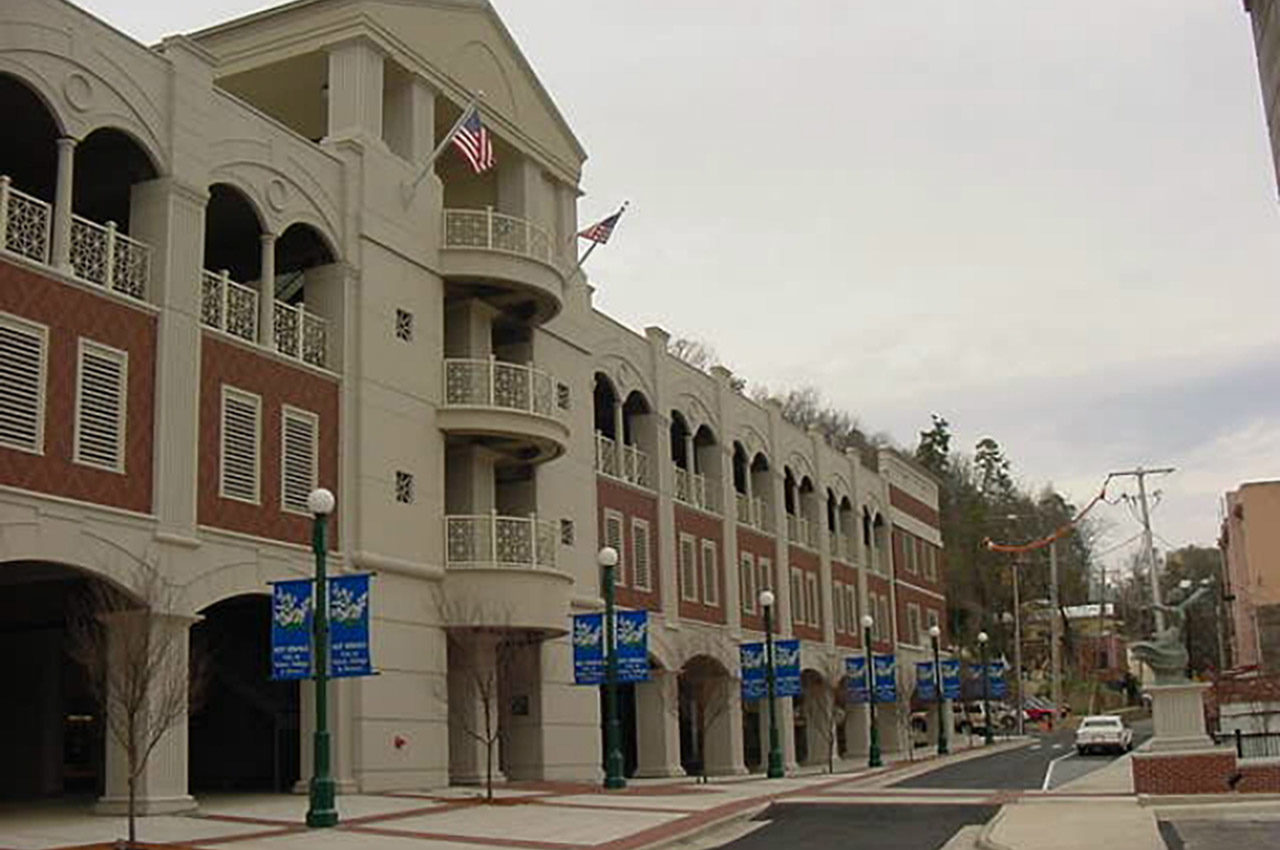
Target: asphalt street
<point>904,827</point>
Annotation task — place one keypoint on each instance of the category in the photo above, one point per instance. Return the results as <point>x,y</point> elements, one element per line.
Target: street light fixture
<point>873,750</point>
<point>607,559</point>
<point>321,811</point>
<point>774,770</point>
<point>987,737</point>
<point>934,634</point>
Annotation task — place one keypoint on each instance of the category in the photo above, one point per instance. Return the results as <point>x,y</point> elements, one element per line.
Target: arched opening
<point>818,711</point>
<point>741,469</point>
<point>880,543</point>
<point>305,301</point>
<point>630,696</point>
<point>789,492</point>
<point>299,249</point>
<point>704,715</point>
<point>846,528</point>
<point>28,146</point>
<point>108,165</point>
<point>54,730</point>
<point>244,736</point>
<point>681,442</point>
<point>762,491</point>
<point>232,235</point>
<point>605,402</point>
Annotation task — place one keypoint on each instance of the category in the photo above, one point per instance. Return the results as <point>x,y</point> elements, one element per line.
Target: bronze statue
<point>1166,653</point>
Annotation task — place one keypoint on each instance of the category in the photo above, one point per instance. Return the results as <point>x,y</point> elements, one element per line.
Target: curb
<point>984,840</point>
<point>1154,801</point>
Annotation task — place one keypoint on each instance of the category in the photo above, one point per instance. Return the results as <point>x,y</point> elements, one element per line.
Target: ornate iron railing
<point>24,223</point>
<point>228,306</point>
<point>492,231</point>
<point>300,334</point>
<point>753,512</point>
<point>504,541</point>
<point>103,256</point>
<point>497,383</point>
<point>693,489</point>
<point>630,465</point>
<point>800,531</point>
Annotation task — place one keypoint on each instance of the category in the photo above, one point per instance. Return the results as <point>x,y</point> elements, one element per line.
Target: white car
<point>1103,732</point>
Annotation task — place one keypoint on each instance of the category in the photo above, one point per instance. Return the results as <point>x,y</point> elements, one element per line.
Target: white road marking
<point>1034,747</point>
<point>1057,746</point>
<point>1048,773</point>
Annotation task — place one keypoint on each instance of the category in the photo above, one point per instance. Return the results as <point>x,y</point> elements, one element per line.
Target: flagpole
<point>407,189</point>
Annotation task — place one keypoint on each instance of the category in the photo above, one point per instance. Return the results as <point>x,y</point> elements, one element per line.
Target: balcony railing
<point>801,532</point>
<point>634,467</point>
<point>693,489</point>
<point>487,230</point>
<point>24,223</point>
<point>228,306</point>
<point>754,512</point>
<point>497,383</point>
<point>101,255</point>
<point>504,541</point>
<point>299,334</point>
<point>843,549</point>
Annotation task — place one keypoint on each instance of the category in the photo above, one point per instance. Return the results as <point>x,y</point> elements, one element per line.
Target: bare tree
<point>701,355</point>
<point>828,713</point>
<point>137,666</point>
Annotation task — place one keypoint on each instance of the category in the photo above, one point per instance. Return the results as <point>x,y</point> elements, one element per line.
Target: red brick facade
<point>909,596</point>
<point>759,546</point>
<point>632,503</point>
<point>226,363</point>
<point>701,527</point>
<point>1202,773</point>
<point>809,565</point>
<point>913,507</point>
<point>71,314</point>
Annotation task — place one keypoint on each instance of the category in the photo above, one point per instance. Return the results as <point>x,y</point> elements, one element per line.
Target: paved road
<point>1216,834</point>
<point>819,827</point>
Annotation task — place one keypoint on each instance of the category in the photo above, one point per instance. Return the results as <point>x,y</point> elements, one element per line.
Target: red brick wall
<point>702,527</point>
<point>758,545</point>
<point>909,595</point>
<point>72,313</point>
<point>1199,773</point>
<point>1259,778</point>
<point>809,563</point>
<point>913,507</point>
<point>631,502</point>
<point>223,362</point>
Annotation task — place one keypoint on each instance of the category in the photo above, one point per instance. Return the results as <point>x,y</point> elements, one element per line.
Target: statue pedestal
<point>1178,712</point>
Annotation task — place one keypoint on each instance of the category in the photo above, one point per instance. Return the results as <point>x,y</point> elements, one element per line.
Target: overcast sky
<point>1053,223</point>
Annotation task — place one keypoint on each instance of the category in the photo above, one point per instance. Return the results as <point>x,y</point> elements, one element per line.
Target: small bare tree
<point>703,688</point>
<point>828,711</point>
<point>137,665</point>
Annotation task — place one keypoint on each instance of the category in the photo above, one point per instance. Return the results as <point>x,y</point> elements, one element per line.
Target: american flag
<point>474,142</point>
<point>602,230</point>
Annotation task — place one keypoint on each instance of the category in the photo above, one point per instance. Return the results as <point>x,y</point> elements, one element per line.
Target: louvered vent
<point>640,554</point>
<point>21,385</point>
<point>240,412</point>
<point>298,464</point>
<point>100,406</point>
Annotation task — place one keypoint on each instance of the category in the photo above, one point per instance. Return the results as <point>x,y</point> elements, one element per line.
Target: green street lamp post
<point>987,737</point>
<point>934,634</point>
<point>873,750</point>
<point>774,770</point>
<point>607,559</point>
<point>320,810</point>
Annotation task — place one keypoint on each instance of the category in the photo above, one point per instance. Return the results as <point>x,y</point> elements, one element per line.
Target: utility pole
<point>1148,547</point>
<point>1055,635</point>
<point>1017,651</point>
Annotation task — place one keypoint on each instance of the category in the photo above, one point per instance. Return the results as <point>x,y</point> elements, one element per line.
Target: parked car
<point>972,718</point>
<point>1103,732</point>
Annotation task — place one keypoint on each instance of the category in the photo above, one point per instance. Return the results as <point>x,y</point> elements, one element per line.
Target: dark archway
<point>232,234</point>
<point>108,164</point>
<point>28,145</point>
<point>245,736</point>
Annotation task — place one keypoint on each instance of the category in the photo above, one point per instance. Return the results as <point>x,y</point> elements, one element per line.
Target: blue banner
<point>349,626</point>
<point>924,681</point>
<point>291,607</point>
<point>855,683</point>
<point>633,647</point>
<point>786,658</point>
<point>886,678</point>
<point>995,673</point>
<point>751,658</point>
<point>950,678</point>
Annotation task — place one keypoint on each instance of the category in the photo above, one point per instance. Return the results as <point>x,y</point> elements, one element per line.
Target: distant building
<point>1091,642</point>
<point>1250,543</point>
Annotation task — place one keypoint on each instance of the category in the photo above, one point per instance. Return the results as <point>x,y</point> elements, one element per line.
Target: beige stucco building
<point>222,285</point>
<point>1250,543</point>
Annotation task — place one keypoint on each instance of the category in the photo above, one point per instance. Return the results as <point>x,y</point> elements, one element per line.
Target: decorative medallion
<point>277,194</point>
<point>78,91</point>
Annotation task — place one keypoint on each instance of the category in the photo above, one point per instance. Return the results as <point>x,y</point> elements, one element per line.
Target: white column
<point>60,257</point>
<point>267,293</point>
<point>658,726</point>
<point>690,458</point>
<point>356,73</point>
<point>618,426</point>
<point>162,785</point>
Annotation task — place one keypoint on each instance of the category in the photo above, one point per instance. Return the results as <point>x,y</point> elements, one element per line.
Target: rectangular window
<point>641,571</point>
<point>766,573</point>
<point>747,579</point>
<point>813,600</point>
<point>909,551</point>
<point>710,574</point>
<point>851,609</point>
<point>613,539</point>
<point>23,367</point>
<point>913,625</point>
<point>837,609</point>
<point>932,562</point>
<point>299,458</point>
<point>102,383</point>
<point>241,437</point>
<point>797,596</point>
<point>688,568</point>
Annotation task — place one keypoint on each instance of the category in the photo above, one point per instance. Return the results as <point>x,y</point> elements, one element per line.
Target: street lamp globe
<point>320,502</point>
<point>766,598</point>
<point>1185,584</point>
<point>868,621</point>
<point>982,637</point>
<point>1206,582</point>
<point>607,557</point>
<point>935,632</point>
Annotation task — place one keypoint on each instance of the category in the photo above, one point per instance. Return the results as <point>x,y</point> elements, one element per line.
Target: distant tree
<point>701,355</point>
<point>993,469</point>
<point>805,407</point>
<point>934,449</point>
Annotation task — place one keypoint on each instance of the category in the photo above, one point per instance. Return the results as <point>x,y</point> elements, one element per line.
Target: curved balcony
<point>515,409</point>
<point>516,257</point>
<point>500,573</point>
